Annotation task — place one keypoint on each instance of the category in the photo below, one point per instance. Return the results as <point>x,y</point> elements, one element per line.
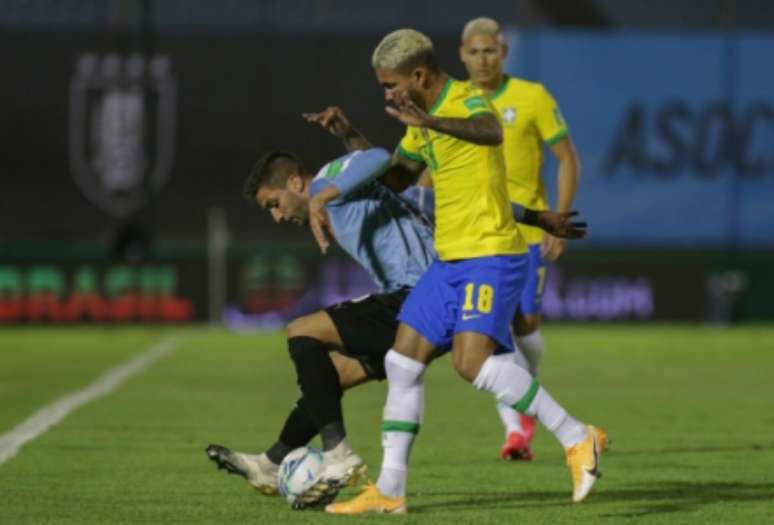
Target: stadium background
<point>135,213</point>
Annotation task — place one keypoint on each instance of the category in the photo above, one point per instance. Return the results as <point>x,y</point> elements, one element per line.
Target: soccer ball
<point>299,472</point>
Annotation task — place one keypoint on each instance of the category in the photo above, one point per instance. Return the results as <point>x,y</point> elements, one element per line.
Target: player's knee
<point>303,338</point>
<point>312,325</point>
<point>466,366</point>
<point>299,327</point>
<point>302,344</point>
<point>317,325</point>
<point>411,344</point>
<point>525,324</point>
<point>469,352</point>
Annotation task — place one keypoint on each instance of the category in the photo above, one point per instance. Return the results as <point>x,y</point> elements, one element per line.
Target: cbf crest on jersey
<point>122,129</point>
<point>509,115</point>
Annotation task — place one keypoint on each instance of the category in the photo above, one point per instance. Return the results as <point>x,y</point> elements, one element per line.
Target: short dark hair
<point>271,170</point>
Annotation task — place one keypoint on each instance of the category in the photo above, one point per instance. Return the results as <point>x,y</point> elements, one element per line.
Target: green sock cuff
<point>400,426</point>
<point>523,404</point>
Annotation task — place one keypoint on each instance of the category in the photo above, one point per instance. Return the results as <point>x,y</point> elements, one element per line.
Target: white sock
<point>402,416</point>
<point>568,430</point>
<point>515,387</point>
<point>509,417</point>
<point>532,346</point>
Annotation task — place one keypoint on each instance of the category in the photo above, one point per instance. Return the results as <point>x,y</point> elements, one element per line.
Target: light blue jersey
<point>383,233</point>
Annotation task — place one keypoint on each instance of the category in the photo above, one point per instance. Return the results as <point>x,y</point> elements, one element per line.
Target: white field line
<point>48,416</point>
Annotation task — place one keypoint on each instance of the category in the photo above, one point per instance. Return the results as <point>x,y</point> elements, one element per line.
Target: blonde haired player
<point>468,296</point>
<point>530,119</point>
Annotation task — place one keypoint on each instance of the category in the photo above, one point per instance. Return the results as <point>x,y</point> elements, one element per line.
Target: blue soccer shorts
<point>532,296</point>
<point>470,295</point>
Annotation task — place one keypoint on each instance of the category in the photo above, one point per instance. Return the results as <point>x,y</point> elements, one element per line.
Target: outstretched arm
<point>336,123</point>
<point>342,177</point>
<point>557,224</point>
<point>483,128</point>
<point>402,172</point>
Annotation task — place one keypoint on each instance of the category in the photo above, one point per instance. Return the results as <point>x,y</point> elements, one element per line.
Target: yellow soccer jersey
<point>530,117</point>
<point>473,216</point>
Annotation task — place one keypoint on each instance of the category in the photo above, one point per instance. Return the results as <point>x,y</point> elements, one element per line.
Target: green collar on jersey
<point>441,96</point>
<point>502,88</point>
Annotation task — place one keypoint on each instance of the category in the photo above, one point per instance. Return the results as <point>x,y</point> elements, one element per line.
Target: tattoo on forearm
<point>483,130</point>
<point>354,141</point>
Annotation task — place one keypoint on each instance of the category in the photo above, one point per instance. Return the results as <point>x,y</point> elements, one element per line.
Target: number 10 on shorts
<point>483,297</point>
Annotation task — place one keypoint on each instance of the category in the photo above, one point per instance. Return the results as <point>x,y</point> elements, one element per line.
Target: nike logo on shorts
<point>468,317</point>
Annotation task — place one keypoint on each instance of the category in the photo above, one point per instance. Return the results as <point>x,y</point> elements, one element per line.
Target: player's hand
<point>552,247</point>
<point>405,110</point>
<point>560,224</point>
<point>332,119</point>
<point>319,223</point>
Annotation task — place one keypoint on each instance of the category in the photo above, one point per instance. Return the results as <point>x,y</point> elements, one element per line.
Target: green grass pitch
<point>690,410</point>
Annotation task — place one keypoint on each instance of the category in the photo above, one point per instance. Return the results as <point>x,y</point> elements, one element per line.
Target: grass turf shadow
<point>656,498</point>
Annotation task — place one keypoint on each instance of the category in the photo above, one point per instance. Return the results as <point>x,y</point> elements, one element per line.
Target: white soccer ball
<point>299,471</point>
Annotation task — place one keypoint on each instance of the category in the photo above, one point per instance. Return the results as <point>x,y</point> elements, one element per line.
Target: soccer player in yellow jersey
<point>468,296</point>
<point>530,118</point>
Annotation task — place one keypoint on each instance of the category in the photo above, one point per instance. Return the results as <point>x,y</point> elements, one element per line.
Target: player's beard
<point>416,98</point>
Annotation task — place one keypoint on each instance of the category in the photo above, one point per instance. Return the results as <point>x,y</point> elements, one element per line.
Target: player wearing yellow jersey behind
<point>530,118</point>
<point>467,298</point>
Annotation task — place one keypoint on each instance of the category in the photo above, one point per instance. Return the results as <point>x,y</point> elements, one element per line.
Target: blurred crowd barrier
<point>264,289</point>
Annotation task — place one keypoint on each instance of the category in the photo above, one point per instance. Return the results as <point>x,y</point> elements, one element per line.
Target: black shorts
<point>367,327</point>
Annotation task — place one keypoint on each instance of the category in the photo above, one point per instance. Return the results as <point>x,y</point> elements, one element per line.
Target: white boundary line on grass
<point>48,416</point>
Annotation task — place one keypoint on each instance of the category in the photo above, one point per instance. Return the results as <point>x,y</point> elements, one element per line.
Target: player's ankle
<point>392,483</point>
<point>333,436</point>
<point>342,449</point>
